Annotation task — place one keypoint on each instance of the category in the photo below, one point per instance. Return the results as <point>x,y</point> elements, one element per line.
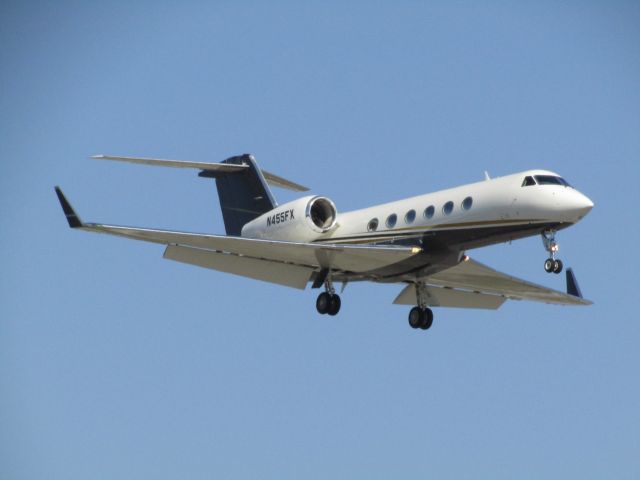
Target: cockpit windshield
<point>551,180</point>
<point>544,180</point>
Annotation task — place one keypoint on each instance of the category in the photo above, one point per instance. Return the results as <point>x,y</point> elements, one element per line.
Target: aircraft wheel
<point>549,265</point>
<point>415,317</point>
<point>557,266</point>
<point>334,305</point>
<point>427,319</point>
<point>323,303</point>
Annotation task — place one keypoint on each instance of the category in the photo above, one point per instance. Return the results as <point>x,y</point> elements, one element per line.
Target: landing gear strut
<point>421,316</point>
<point>328,301</point>
<point>551,264</point>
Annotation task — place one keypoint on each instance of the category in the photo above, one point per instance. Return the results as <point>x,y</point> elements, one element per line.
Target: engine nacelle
<point>302,220</point>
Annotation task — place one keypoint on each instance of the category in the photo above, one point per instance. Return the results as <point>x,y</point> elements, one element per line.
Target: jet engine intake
<point>302,220</point>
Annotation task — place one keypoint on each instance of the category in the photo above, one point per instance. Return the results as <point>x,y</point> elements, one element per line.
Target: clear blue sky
<point>115,363</point>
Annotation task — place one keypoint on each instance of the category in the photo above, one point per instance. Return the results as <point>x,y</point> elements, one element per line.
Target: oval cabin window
<point>391,220</point>
<point>410,216</point>
<point>429,211</point>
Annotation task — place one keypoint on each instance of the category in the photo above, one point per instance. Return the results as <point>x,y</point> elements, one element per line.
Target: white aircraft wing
<point>471,284</point>
<point>286,263</point>
<point>339,257</point>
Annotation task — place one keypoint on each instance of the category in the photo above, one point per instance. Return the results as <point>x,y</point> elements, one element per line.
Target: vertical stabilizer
<point>244,195</point>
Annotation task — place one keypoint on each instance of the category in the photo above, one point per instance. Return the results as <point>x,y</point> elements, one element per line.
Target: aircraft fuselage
<point>446,223</point>
<point>469,216</point>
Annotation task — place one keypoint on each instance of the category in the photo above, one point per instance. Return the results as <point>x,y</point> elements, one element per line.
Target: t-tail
<point>243,188</point>
<point>243,195</point>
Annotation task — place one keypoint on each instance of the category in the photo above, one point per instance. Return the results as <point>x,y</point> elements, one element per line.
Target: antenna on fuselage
<point>486,175</point>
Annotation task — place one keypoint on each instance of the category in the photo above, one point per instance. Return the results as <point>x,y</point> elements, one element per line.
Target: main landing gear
<point>421,316</point>
<point>328,301</point>
<point>551,264</point>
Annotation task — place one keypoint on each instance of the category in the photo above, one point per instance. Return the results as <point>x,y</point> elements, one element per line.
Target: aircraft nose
<point>580,204</point>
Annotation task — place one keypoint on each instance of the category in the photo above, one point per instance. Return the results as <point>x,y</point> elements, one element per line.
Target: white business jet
<point>420,242</point>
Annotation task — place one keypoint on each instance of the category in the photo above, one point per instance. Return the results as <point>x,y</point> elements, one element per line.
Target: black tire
<point>557,266</point>
<point>323,303</point>
<point>334,305</point>
<point>427,319</point>
<point>549,265</point>
<point>415,317</point>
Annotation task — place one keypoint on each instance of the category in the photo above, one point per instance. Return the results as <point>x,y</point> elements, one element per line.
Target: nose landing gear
<point>551,264</point>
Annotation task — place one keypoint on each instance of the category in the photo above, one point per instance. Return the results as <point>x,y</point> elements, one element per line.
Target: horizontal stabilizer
<point>278,181</point>
<point>212,167</point>
<point>272,179</point>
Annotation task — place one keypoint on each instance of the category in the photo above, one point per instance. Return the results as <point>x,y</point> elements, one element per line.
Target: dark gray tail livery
<point>244,195</point>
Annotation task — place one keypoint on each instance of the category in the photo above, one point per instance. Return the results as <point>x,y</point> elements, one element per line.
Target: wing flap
<point>266,270</point>
<point>447,297</point>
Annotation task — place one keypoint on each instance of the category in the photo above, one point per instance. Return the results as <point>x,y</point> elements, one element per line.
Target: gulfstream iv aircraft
<point>420,242</point>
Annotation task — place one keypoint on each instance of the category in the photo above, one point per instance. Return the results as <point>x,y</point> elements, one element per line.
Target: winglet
<point>69,212</point>
<point>572,284</point>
